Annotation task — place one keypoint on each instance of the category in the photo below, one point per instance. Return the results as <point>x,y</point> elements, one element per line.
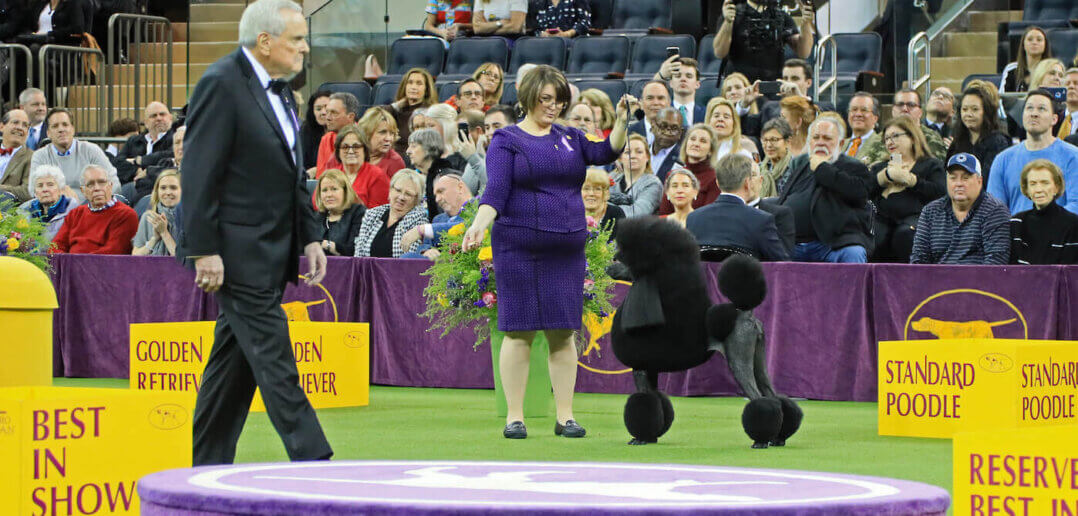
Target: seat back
<point>599,55</point>
<point>408,53</point>
<point>385,93</point>
<point>466,54</point>
<point>1064,44</point>
<point>993,78</point>
<point>447,89</point>
<point>509,93</point>
<point>1036,10</point>
<point>709,89</point>
<point>650,51</point>
<point>705,55</point>
<point>641,14</point>
<point>614,88</point>
<point>857,52</point>
<point>548,51</point>
<point>361,90</point>
<point>602,13</point>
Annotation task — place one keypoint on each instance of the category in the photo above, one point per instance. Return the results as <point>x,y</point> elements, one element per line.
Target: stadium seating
<point>640,15</point>
<point>1039,10</point>
<point>710,66</point>
<point>509,93</point>
<point>385,92</point>
<point>993,78</point>
<point>614,88</point>
<point>856,53</point>
<point>1064,44</point>
<point>446,89</point>
<point>599,56</point>
<point>1009,37</point>
<point>548,51</point>
<point>709,88</point>
<point>602,13</point>
<point>361,90</point>
<point>408,53</point>
<point>466,54</point>
<point>649,52</point>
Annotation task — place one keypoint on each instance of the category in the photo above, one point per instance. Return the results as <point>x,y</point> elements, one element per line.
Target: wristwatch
<point>499,22</point>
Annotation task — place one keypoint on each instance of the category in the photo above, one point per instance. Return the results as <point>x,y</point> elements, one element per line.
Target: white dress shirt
<point>284,118</point>
<point>4,160</point>
<point>688,113</point>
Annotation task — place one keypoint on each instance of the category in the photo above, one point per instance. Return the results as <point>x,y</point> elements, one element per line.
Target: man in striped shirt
<point>968,226</point>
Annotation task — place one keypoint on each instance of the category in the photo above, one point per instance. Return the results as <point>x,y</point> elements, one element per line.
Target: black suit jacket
<point>638,127</point>
<point>945,132</point>
<point>245,198</point>
<point>840,212</point>
<point>669,162</point>
<point>730,222</point>
<point>13,19</point>
<point>784,221</point>
<point>69,20</point>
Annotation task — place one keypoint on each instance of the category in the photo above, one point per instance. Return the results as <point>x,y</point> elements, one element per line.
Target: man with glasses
<point>863,114</point>
<point>469,96</point>
<point>907,103</point>
<point>940,112</point>
<point>1070,123</point>
<point>15,156</point>
<point>102,225</point>
<point>667,144</point>
<point>654,98</point>
<point>341,110</point>
<point>1004,180</point>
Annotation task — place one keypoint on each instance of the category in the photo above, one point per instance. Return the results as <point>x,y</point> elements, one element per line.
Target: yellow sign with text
<point>1016,472</point>
<point>936,388</point>
<point>333,360</point>
<point>78,451</point>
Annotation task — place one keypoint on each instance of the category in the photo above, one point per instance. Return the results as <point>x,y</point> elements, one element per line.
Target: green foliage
<point>22,236</point>
<point>462,291</point>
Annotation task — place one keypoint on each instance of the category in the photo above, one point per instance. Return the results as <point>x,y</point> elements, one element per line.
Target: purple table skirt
<point>822,320</point>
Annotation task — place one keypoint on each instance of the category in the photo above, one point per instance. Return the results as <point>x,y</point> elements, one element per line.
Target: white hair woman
<point>383,226</point>
<point>50,205</point>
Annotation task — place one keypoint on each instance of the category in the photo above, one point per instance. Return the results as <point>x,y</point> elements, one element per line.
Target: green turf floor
<point>459,424</point>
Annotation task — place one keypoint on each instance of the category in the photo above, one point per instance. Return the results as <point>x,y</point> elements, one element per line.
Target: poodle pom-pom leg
<point>644,417</point>
<point>762,420</point>
<point>668,412</point>
<point>791,421</point>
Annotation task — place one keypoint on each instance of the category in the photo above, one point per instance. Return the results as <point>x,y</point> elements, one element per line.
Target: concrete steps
<point>966,44</point>
<point>216,12</point>
<point>199,52</point>
<point>988,21</point>
<point>213,32</point>
<point>957,68</point>
<point>86,96</point>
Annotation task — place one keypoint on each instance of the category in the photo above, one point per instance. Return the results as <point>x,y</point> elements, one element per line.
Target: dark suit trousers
<point>252,348</point>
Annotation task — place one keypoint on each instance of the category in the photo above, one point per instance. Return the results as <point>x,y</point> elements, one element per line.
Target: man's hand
<point>467,146</point>
<point>815,160</point>
<point>209,272</point>
<point>432,254</point>
<point>729,11</point>
<point>787,89</point>
<point>316,263</point>
<point>408,238</point>
<point>808,15</point>
<point>312,173</point>
<point>671,65</point>
<point>140,174</point>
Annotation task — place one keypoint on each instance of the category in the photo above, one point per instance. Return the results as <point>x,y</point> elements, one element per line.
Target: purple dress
<point>538,238</point>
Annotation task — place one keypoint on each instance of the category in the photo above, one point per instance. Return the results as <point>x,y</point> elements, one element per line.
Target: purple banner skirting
<point>822,320</point>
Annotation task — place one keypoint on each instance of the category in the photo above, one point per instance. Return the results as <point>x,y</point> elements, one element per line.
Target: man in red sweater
<point>103,226</point>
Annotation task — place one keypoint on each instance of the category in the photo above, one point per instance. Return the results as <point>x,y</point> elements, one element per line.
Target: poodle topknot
<point>648,244</point>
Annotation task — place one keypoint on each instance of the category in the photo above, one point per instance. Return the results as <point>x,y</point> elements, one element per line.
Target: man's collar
<point>68,151</point>
<point>735,196</point>
<point>865,136</point>
<point>13,149</point>
<point>260,71</point>
<point>111,203</point>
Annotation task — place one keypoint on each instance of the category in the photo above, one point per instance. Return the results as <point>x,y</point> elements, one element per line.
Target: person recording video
<point>753,33</point>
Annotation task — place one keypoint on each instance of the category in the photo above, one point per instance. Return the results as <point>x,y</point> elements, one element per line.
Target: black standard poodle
<point>667,323</point>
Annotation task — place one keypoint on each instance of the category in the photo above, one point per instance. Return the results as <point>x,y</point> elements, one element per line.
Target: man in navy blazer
<point>730,222</point>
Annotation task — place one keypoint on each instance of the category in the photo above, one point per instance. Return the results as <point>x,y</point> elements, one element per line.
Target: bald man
<point>147,148</point>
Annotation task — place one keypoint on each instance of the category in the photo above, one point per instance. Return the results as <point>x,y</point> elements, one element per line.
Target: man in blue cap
<point>966,227</point>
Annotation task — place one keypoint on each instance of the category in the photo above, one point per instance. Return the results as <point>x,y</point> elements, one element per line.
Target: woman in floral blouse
<point>563,18</point>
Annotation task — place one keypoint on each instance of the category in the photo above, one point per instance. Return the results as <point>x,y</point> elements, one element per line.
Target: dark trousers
<point>894,239</point>
<point>252,348</point>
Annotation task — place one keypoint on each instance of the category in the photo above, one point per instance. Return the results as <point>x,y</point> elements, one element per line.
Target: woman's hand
<point>409,237</point>
<point>473,238</point>
<point>467,147</point>
<point>159,222</point>
<point>330,247</point>
<point>750,95</point>
<point>627,104</point>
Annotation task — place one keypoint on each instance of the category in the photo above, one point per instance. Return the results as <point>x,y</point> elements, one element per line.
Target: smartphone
<point>463,127</point>
<point>672,51</point>
<point>1058,94</point>
<point>770,89</point>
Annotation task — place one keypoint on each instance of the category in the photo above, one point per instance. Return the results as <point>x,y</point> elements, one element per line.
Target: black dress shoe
<point>569,429</point>
<point>515,430</point>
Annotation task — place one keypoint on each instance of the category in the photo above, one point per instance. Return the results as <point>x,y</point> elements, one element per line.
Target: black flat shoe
<point>569,429</point>
<point>515,430</point>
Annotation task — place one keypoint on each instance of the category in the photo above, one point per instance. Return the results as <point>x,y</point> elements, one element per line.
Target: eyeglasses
<point>907,105</point>
<point>551,101</point>
<point>772,141</point>
<point>942,95</point>
<point>894,136</point>
<point>351,147</point>
<point>476,93</point>
<point>490,74</point>
<point>402,193</point>
<point>668,128</point>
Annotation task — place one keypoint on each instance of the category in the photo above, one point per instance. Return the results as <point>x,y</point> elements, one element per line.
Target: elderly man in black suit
<point>729,221</point>
<point>246,214</point>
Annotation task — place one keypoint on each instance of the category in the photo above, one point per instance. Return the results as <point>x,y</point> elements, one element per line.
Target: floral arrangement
<point>22,236</point>
<point>462,291</point>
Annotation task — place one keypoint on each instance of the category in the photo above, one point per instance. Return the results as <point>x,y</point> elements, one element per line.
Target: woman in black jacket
<point>978,129</point>
<point>58,22</point>
<point>1048,233</point>
<point>903,186</point>
<point>340,212</point>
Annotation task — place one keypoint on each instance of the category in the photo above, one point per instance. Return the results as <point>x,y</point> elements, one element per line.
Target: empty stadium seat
<point>385,92</point>
<point>857,52</point>
<point>447,89</point>
<point>466,54</point>
<point>408,53</point>
<point>509,93</point>
<point>993,78</point>
<point>709,88</point>
<point>614,88</point>
<point>650,52</point>
<point>1064,44</point>
<point>599,55</point>
<point>641,14</point>
<point>602,12</point>
<point>548,51</point>
<point>636,87</point>
<point>710,66</point>
<point>361,90</point>
<point>1036,10</point>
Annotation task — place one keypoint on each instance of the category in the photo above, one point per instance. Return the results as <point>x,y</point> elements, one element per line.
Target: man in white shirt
<point>864,112</point>
<point>32,101</point>
<point>683,76</point>
<point>654,98</point>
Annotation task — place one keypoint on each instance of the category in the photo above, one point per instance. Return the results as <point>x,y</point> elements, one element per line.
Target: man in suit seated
<point>666,147</point>
<point>729,221</point>
<point>451,194</point>
<point>156,141</point>
<point>15,155</point>
<point>654,98</point>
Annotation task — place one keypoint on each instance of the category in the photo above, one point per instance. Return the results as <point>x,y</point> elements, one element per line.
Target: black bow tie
<point>278,86</point>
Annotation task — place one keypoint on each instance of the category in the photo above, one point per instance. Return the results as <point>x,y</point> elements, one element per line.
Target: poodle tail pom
<point>741,280</point>
<point>721,319</point>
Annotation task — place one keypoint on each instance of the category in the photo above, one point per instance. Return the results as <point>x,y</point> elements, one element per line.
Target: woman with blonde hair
<point>154,236</point>
<point>799,114</point>
<point>416,91</point>
<point>636,190</point>
<point>596,195</point>
<point>378,130</point>
<point>736,88</point>
<point>681,190</point>
<point>721,115</point>
<point>340,213</point>
<point>699,153</point>
<point>459,151</point>
<point>603,108</point>
<point>492,78</point>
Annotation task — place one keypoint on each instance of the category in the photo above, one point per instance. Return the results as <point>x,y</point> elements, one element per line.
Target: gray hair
<point>840,129</point>
<point>684,172</point>
<point>47,171</point>
<point>91,166</point>
<point>431,142</point>
<point>778,124</point>
<point>24,97</point>
<point>407,174</point>
<point>351,103</point>
<point>524,69</point>
<point>867,95</point>
<point>7,116</point>
<point>732,171</point>
<point>179,130</point>
<point>445,115</point>
<point>264,16</point>
<point>417,112</point>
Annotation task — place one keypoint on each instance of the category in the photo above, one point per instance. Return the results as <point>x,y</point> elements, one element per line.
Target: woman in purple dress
<point>535,170</point>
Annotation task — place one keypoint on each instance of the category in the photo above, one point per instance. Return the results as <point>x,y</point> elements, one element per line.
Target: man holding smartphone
<point>753,34</point>
<point>682,74</point>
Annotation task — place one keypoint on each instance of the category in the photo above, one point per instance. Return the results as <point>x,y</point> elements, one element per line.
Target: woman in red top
<point>379,130</point>
<point>368,181</point>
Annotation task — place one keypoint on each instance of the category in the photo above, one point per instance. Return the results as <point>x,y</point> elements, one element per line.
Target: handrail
<point>120,28</point>
<point>911,62</point>
<point>817,67</point>
<point>10,49</point>
<point>947,18</point>
<point>73,67</point>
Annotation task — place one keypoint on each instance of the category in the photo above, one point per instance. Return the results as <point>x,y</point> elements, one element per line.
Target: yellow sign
<point>968,329</point>
<point>935,388</point>
<point>1016,472</point>
<point>78,451</point>
<point>333,360</point>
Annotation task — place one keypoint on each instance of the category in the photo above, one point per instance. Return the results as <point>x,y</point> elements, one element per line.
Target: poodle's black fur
<point>667,323</point>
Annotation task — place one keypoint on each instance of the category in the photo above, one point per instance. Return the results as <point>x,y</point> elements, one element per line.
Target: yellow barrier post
<point>27,300</point>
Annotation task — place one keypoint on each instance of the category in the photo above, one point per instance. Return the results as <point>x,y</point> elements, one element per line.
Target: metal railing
<point>136,42</point>
<point>831,84</point>
<point>921,43</point>
<point>72,77</point>
<point>8,53</point>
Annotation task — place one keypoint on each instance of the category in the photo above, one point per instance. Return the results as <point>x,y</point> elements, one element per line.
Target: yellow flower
<point>486,254</point>
<point>22,225</point>
<point>442,300</point>
<point>12,244</point>
<point>457,230</point>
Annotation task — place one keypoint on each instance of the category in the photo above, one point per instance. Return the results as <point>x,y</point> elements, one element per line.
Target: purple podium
<point>546,488</point>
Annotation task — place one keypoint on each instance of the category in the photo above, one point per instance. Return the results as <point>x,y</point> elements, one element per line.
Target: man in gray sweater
<point>70,154</point>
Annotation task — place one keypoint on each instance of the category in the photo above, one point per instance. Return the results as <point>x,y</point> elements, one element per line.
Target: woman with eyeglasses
<point>775,139</point>
<point>383,226</point>
<point>903,186</point>
<point>534,207</point>
<point>368,181</point>
<point>979,131</point>
<point>490,76</point>
<point>1049,73</point>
